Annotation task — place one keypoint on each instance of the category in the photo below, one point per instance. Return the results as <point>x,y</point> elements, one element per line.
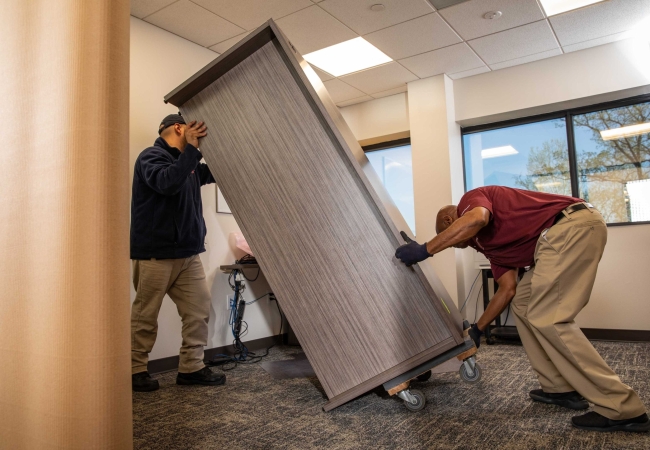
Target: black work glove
<point>412,253</point>
<point>475,334</point>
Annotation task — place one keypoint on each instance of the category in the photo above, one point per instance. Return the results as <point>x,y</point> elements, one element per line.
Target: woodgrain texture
<point>318,234</point>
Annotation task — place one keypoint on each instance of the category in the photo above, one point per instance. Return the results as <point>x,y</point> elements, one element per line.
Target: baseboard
<point>171,363</point>
<point>604,334</point>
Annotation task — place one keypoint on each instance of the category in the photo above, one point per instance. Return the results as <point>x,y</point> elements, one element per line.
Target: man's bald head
<point>446,216</point>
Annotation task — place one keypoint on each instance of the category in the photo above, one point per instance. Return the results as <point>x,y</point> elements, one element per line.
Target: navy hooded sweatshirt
<point>166,210</point>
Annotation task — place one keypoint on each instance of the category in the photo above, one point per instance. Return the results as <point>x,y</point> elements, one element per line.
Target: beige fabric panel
<point>321,241</point>
<point>64,224</point>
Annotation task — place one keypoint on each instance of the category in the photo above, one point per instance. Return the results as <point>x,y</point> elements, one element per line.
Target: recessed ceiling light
<point>498,151</point>
<point>347,57</point>
<point>553,7</point>
<point>623,132</point>
<point>378,7</point>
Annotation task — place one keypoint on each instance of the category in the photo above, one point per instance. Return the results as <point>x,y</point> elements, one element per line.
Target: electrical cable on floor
<point>241,354</point>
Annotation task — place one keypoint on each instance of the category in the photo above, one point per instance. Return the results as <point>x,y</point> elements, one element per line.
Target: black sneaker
<point>204,376</point>
<point>595,422</point>
<point>142,382</point>
<point>571,400</point>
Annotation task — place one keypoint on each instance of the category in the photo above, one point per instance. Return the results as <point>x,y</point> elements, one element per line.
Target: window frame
<point>386,145</point>
<point>567,115</point>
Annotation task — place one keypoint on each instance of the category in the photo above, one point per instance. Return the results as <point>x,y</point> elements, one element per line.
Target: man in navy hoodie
<point>167,235</point>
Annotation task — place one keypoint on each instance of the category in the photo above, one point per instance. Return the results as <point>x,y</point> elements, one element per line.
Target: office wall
<point>604,73</point>
<point>382,117</point>
<point>160,61</point>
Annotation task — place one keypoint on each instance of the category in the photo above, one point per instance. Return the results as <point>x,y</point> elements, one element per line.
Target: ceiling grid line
<point>232,23</point>
<point>466,42</point>
<point>158,10</point>
<point>550,24</point>
<point>421,40</point>
<point>401,23</point>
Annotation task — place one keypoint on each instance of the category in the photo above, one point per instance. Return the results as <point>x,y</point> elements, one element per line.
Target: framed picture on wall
<point>222,206</point>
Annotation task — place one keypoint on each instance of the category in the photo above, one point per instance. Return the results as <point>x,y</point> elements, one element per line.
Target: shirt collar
<point>160,142</point>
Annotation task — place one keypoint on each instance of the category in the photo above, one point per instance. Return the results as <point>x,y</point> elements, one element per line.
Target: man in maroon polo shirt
<point>553,244</point>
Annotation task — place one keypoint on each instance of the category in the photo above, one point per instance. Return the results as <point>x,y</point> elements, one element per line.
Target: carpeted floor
<point>254,411</point>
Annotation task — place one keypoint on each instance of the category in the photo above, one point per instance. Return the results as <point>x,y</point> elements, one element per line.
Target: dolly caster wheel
<point>470,371</point>
<point>414,400</point>
<point>424,377</point>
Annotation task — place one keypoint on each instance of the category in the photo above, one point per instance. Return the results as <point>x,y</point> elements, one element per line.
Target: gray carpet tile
<point>255,411</point>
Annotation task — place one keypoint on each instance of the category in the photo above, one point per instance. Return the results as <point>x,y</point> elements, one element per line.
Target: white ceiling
<point>423,42</point>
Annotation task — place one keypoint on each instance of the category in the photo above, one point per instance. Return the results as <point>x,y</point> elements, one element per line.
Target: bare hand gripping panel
<point>325,240</point>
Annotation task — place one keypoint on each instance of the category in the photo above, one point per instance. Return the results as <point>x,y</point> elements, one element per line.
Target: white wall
<point>609,72</point>
<point>160,61</point>
<point>381,117</point>
<point>574,79</point>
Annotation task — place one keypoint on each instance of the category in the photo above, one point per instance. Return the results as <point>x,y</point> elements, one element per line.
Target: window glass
<point>613,160</point>
<point>395,169</point>
<point>532,156</point>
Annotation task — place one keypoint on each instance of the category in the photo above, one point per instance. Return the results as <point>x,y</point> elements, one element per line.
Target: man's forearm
<point>497,304</point>
<point>461,230</point>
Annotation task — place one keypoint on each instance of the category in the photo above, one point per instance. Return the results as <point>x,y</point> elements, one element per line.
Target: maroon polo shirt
<point>517,218</point>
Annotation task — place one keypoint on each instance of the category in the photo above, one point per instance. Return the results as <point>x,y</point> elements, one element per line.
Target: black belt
<point>571,209</point>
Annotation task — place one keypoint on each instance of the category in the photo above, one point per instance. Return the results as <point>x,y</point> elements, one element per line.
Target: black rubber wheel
<point>420,401</point>
<point>466,378</point>
<point>489,341</point>
<point>424,377</point>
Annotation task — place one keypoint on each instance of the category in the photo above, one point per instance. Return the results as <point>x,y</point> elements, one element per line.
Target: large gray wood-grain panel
<point>320,239</point>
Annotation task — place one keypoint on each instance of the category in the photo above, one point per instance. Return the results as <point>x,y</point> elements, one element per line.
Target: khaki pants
<point>184,280</point>
<point>548,298</point>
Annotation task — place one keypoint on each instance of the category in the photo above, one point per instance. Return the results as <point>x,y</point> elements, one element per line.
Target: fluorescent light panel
<point>498,151</point>
<point>554,7</point>
<point>347,57</point>
<point>623,132</point>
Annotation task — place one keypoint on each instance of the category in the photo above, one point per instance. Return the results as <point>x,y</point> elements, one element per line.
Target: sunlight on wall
<point>637,48</point>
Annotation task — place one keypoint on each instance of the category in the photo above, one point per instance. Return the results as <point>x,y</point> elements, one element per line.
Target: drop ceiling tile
<point>381,78</point>
<point>142,8</point>
<point>452,59</point>
<point>324,76</point>
<point>250,14</point>
<point>468,73</point>
<point>354,101</point>
<point>194,23</point>
<point>526,59</point>
<point>515,43</point>
<point>389,92</point>
<point>599,20</point>
<point>419,35</point>
<point>225,45</point>
<point>312,29</point>
<point>467,18</point>
<point>340,91</point>
<point>357,13</point>
<point>595,42</point>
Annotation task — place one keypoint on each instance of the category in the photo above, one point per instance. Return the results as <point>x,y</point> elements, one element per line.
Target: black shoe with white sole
<point>142,382</point>
<point>203,377</point>
<point>571,400</point>
<point>595,422</point>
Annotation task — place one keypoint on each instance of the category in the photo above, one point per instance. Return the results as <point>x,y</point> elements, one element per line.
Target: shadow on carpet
<point>255,411</point>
